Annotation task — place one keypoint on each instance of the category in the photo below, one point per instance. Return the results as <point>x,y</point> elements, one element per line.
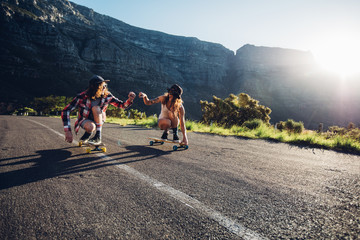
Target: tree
<point>50,104</point>
<point>234,110</point>
<point>25,111</point>
<point>291,126</point>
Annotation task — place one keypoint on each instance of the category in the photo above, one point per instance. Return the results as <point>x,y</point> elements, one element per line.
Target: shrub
<point>354,134</point>
<point>50,104</point>
<point>298,127</point>
<point>351,126</point>
<point>234,110</point>
<point>115,112</point>
<point>252,124</point>
<point>237,129</point>
<point>291,126</point>
<point>337,130</point>
<point>280,125</point>
<point>25,111</point>
<point>153,121</point>
<point>135,114</point>
<point>190,125</point>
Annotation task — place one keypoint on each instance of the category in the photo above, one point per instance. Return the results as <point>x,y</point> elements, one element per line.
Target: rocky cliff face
<point>55,46</point>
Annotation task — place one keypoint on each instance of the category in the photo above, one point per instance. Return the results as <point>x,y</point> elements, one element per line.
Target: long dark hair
<point>95,91</point>
<point>176,101</point>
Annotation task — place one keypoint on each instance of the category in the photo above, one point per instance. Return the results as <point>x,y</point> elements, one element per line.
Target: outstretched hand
<point>142,95</point>
<point>132,96</point>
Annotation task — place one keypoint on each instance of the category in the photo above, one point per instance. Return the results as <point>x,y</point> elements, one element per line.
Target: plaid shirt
<point>84,104</point>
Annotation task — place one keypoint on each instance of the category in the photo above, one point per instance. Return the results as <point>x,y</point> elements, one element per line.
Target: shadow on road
<point>48,164</point>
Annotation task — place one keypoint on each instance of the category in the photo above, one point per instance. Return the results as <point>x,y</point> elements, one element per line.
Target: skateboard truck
<point>93,147</point>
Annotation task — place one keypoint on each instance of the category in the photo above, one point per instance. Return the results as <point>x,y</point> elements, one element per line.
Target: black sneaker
<point>176,137</point>
<point>175,134</point>
<point>165,135</point>
<point>85,137</point>
<point>95,140</point>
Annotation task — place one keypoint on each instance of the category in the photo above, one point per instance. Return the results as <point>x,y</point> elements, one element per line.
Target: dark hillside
<point>55,46</point>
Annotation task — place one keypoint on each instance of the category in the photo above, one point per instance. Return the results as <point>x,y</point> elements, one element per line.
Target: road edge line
<point>230,224</point>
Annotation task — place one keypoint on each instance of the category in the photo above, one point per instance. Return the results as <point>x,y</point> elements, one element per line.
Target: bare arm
<point>182,125</point>
<point>152,101</point>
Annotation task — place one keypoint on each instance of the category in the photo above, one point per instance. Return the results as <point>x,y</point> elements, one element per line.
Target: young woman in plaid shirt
<point>92,105</point>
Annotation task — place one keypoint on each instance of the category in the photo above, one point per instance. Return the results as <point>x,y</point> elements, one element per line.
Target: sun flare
<point>339,54</point>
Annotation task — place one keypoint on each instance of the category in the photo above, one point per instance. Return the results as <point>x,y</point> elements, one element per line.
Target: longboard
<point>161,141</point>
<point>93,147</point>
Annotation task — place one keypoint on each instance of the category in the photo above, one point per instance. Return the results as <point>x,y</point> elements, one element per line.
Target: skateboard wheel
<point>103,149</point>
<point>80,144</point>
<point>186,147</point>
<point>88,150</point>
<point>151,143</point>
<point>162,143</point>
<point>175,147</point>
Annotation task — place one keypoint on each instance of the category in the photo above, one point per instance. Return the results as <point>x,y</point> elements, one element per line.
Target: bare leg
<point>171,122</point>
<point>167,123</point>
<point>164,123</point>
<point>98,115</point>
<point>89,127</point>
<point>174,120</point>
<point>174,125</point>
<point>98,119</point>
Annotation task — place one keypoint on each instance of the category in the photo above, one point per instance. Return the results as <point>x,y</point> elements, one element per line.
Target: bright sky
<point>330,29</point>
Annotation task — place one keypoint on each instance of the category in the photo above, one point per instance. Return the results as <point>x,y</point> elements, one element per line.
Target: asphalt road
<point>220,188</point>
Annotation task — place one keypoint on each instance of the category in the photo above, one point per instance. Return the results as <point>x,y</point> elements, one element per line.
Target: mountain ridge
<point>55,46</point>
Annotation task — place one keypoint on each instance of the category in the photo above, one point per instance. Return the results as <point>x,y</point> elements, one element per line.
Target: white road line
<point>232,225</point>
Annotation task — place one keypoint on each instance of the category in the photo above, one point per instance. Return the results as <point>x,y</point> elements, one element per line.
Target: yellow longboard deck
<point>177,143</point>
<point>93,147</point>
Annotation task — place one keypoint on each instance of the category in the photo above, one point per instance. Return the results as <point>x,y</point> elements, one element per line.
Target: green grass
<point>149,122</point>
<point>263,131</point>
